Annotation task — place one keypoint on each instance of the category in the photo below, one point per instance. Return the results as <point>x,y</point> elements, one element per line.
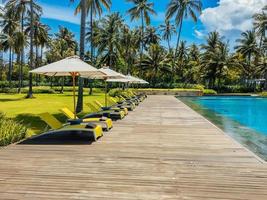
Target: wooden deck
<point>162,150</point>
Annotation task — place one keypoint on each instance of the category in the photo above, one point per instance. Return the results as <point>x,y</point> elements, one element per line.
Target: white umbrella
<point>71,66</point>
<point>109,75</point>
<point>133,79</point>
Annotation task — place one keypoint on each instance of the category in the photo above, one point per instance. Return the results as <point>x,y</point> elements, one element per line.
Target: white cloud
<point>231,17</point>
<point>199,34</point>
<point>61,13</point>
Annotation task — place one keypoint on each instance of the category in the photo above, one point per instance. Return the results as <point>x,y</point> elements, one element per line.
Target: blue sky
<point>58,13</point>
<point>228,17</point>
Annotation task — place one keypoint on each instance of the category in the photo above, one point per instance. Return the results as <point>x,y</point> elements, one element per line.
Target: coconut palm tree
<point>207,56</point>
<point>128,48</point>
<point>30,94</point>
<point>167,29</point>
<point>155,61</point>
<point>247,45</point>
<point>183,9</point>
<point>142,9</point>
<point>260,25</point>
<point>108,39</point>
<point>8,43</point>
<point>151,36</point>
<point>21,9</point>
<point>94,7</point>
<point>20,41</point>
<point>9,27</point>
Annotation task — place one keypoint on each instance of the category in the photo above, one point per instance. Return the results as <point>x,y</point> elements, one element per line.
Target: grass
<point>26,110</point>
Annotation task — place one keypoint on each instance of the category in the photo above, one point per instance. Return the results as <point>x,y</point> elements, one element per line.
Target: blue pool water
<point>248,111</point>
<point>243,118</point>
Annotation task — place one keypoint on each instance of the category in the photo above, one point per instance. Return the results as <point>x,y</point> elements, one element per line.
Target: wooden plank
<point>162,150</point>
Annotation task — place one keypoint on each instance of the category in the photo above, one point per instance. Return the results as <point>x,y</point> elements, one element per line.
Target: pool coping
<point>224,133</point>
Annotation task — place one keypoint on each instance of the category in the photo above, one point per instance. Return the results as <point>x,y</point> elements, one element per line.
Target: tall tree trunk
<point>142,38</point>
<point>179,35</point>
<point>30,95</point>
<point>1,64</point>
<point>79,106</point>
<point>10,66</point>
<point>92,48</point>
<point>92,35</point>
<point>21,63</point>
<point>36,61</point>
<point>169,45</point>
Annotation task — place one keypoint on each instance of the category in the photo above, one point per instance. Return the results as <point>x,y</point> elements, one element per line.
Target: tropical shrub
<point>120,92</point>
<point>263,94</point>
<point>209,92</point>
<point>10,130</point>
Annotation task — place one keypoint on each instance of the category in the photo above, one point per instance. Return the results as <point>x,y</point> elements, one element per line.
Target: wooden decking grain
<point>162,150</point>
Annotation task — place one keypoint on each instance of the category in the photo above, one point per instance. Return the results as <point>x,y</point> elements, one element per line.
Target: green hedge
<point>10,131</point>
<point>209,92</point>
<point>120,92</point>
<point>263,94</point>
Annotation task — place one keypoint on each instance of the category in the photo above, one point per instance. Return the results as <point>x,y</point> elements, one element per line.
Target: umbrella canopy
<point>119,80</point>
<point>143,81</point>
<point>71,66</point>
<point>110,75</point>
<point>133,79</point>
<point>68,67</point>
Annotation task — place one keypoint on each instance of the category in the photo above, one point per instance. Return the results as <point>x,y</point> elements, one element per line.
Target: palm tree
<point>151,36</point>
<point>8,43</point>
<point>155,61</point>
<point>9,27</point>
<point>108,39</point>
<point>20,9</point>
<point>84,7</point>
<point>247,45</point>
<point>142,9</point>
<point>207,56</point>
<point>183,9</point>
<point>20,41</point>
<point>260,25</point>
<point>30,94</point>
<point>95,7</point>
<point>182,58</point>
<point>128,48</point>
<point>167,29</point>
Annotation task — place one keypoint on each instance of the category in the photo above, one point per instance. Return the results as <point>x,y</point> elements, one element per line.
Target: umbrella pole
<point>74,99</point>
<point>106,95</point>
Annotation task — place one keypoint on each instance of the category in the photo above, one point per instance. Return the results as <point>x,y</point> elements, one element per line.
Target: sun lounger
<point>57,127</point>
<point>125,110</point>
<point>106,123</point>
<point>114,115</point>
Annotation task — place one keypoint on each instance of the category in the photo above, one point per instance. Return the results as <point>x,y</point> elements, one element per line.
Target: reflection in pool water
<point>244,118</point>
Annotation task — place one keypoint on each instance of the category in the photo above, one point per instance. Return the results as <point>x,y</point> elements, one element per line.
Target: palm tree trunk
<point>36,62</point>
<point>30,95</point>
<point>92,48</point>
<point>92,34</point>
<point>10,66</point>
<point>79,106</point>
<point>179,35</point>
<point>169,45</point>
<point>142,38</point>
<point>21,63</point>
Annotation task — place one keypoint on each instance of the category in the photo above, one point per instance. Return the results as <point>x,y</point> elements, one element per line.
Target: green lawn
<point>27,110</point>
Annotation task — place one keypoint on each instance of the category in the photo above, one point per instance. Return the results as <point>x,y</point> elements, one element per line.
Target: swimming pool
<point>244,118</point>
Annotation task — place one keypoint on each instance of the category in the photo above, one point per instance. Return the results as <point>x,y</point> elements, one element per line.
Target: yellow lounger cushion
<point>70,115</point>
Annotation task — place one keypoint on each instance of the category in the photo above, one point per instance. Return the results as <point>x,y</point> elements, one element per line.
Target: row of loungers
<point>93,124</point>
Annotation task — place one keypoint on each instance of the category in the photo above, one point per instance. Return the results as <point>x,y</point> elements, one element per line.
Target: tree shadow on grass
<point>11,99</point>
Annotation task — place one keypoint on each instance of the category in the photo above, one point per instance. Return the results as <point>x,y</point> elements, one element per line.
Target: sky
<point>228,17</point>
